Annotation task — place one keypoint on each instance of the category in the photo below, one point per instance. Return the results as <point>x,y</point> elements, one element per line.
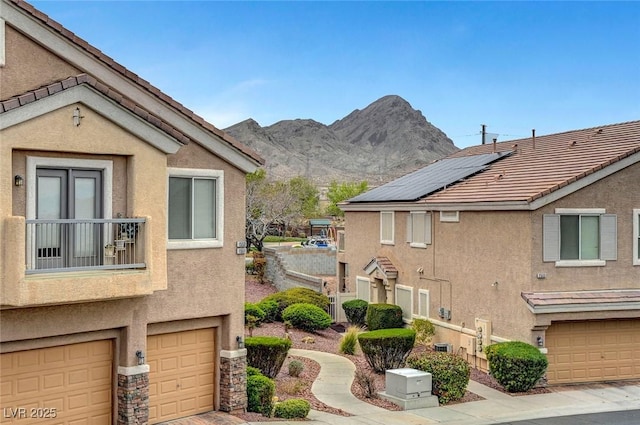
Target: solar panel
<point>429,179</point>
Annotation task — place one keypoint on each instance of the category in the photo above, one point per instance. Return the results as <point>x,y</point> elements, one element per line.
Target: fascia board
<point>97,102</point>
<point>96,68</point>
<point>419,205</point>
<point>576,308</point>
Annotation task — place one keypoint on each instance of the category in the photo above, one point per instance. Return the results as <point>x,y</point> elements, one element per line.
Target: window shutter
<point>427,228</point>
<point>409,227</point>
<point>608,237</point>
<point>550,237</point>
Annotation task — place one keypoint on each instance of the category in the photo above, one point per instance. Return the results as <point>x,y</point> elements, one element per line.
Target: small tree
<point>339,192</point>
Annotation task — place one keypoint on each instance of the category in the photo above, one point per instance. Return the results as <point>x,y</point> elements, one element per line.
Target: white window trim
<point>201,243</point>
<point>393,230</point>
<point>427,219</point>
<point>2,43</point>
<point>636,236</point>
<point>418,315</point>
<point>455,218</point>
<point>581,212</point>
<point>410,289</point>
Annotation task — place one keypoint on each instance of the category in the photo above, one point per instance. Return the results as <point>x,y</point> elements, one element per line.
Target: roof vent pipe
<point>494,144</point>
<point>533,138</point>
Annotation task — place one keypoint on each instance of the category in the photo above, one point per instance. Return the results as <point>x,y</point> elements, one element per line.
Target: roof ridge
<point>80,79</point>
<point>580,130</point>
<point>141,82</point>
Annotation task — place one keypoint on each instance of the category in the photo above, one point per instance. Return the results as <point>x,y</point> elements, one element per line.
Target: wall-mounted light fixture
<point>495,284</point>
<point>77,117</point>
<point>140,356</point>
<point>540,341</point>
<point>18,180</point>
<point>240,341</point>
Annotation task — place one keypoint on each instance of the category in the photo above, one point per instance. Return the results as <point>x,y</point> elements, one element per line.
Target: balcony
<point>54,246</point>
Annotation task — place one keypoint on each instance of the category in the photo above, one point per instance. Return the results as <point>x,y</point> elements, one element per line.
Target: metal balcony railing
<point>84,244</point>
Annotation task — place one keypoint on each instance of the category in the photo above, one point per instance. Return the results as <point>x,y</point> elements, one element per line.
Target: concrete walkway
<point>333,387</point>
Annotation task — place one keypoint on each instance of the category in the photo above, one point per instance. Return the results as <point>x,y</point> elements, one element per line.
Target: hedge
<point>295,296</point>
<point>260,392</point>
<point>307,317</point>
<point>251,309</point>
<point>270,308</point>
<point>516,365</point>
<point>267,353</point>
<point>356,311</point>
<point>387,348</point>
<point>449,374</point>
<point>383,316</point>
<point>294,408</point>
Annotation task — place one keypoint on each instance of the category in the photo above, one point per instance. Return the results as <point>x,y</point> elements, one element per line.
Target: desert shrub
<point>249,268</point>
<point>349,342</point>
<point>259,266</point>
<point>293,408</point>
<point>387,348</point>
<point>449,374</point>
<point>267,353</point>
<point>295,368</point>
<point>516,365</point>
<point>367,382</point>
<point>260,392</point>
<point>296,296</point>
<point>307,317</point>
<point>270,308</point>
<point>383,316</point>
<point>424,331</point>
<point>251,309</point>
<point>356,311</point>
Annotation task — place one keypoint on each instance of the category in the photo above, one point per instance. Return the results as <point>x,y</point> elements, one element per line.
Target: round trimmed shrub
<point>387,348</point>
<point>295,368</point>
<point>307,317</point>
<point>516,365</point>
<point>295,296</point>
<point>424,331</point>
<point>260,392</point>
<point>449,373</point>
<point>251,309</point>
<point>383,316</point>
<point>251,371</point>
<point>293,408</point>
<point>267,353</point>
<point>356,311</point>
<point>270,308</point>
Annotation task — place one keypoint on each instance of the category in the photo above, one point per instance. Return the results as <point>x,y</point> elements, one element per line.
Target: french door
<point>73,195</point>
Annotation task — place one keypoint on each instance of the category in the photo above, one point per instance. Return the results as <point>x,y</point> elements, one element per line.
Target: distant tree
<point>339,192</point>
<point>308,196</point>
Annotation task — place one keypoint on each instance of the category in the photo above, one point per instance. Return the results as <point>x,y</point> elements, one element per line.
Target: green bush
<point>449,374</point>
<point>267,353</point>
<point>424,331</point>
<point>307,317</point>
<point>383,316</point>
<point>349,341</point>
<point>270,308</point>
<point>293,408</point>
<point>251,309</point>
<point>251,371</point>
<point>387,348</point>
<point>296,296</point>
<point>260,392</point>
<point>295,368</point>
<point>356,311</point>
<point>516,365</point>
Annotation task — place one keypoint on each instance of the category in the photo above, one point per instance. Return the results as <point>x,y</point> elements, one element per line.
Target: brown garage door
<point>593,351</point>
<point>70,384</point>
<point>181,377</point>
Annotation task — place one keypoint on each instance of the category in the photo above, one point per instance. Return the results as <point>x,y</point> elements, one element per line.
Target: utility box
<point>408,383</point>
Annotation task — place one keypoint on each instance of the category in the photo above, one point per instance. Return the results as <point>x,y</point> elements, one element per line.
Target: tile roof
<point>109,62</point>
<point>383,264</point>
<point>536,170</point>
<point>577,300</point>
<point>67,83</point>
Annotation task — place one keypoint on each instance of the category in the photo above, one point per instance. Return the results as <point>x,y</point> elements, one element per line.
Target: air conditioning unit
<point>444,313</point>
<point>443,347</point>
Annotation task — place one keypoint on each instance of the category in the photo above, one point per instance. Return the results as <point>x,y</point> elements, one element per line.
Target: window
<point>419,229</point>
<point>404,299</point>
<point>423,303</point>
<point>450,216</point>
<point>579,237</point>
<point>386,227</point>
<point>636,237</point>
<point>195,210</point>
<point>363,288</point>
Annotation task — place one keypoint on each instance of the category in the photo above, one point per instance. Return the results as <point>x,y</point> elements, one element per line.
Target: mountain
<point>383,141</point>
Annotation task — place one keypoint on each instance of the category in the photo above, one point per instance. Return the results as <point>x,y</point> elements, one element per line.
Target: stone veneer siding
<point>233,381</point>
<point>133,398</point>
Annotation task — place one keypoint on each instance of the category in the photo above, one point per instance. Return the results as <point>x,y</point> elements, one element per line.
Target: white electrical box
<point>408,383</point>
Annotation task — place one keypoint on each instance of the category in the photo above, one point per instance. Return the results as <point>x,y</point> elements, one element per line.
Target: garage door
<point>70,384</point>
<point>181,376</point>
<point>593,351</point>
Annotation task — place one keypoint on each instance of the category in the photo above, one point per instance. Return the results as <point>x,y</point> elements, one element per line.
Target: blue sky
<point>514,66</point>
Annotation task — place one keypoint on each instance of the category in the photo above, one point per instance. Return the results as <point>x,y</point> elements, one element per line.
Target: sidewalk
<point>333,384</point>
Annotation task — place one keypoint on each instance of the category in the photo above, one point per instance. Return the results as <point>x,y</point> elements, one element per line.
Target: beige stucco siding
<point>44,67</point>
